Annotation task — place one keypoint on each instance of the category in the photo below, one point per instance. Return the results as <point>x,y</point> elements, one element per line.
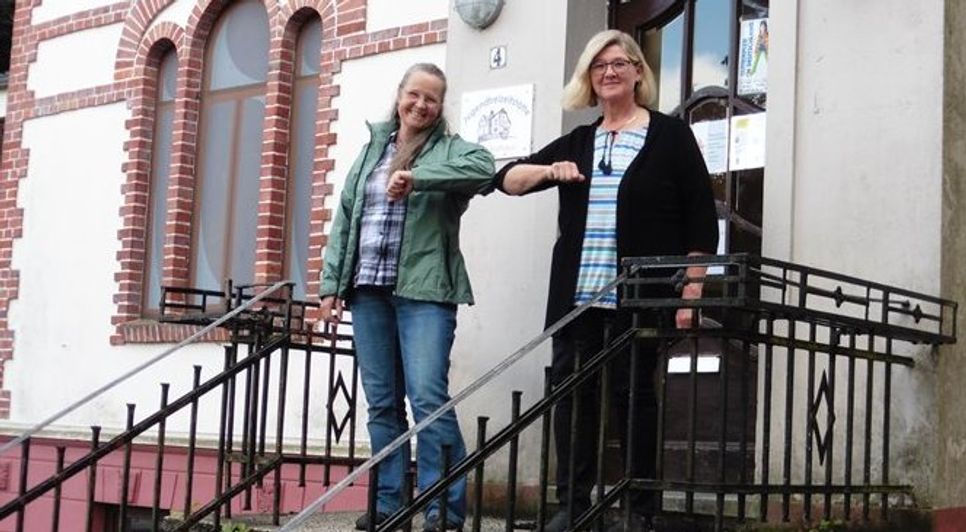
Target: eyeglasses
<point>619,65</point>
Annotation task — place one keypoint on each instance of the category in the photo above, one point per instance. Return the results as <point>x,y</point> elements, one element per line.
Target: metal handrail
<point>497,370</point>
<point>751,274</point>
<point>138,369</point>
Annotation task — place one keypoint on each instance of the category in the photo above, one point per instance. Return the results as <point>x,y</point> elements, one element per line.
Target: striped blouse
<point>598,258</point>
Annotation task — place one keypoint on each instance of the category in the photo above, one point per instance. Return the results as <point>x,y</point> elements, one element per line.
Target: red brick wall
<point>138,55</point>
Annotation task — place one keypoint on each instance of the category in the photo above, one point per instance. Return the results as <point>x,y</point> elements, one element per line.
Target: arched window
<point>230,146</point>
<point>160,170</point>
<point>302,154</point>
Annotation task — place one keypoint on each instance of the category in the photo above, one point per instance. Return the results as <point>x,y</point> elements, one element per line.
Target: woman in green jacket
<point>393,255</point>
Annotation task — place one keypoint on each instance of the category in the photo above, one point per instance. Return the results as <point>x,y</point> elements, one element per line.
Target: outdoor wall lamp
<point>479,13</point>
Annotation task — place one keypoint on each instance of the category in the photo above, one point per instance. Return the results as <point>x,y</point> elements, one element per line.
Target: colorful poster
<point>753,57</point>
<point>712,137</point>
<point>747,146</point>
<point>499,119</point>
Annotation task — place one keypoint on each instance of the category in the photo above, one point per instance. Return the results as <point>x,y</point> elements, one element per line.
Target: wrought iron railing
<point>792,344</point>
<point>268,329</point>
<point>795,415</point>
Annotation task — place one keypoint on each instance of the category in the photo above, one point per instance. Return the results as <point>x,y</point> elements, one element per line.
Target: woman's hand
<point>684,318</point>
<point>331,309</point>
<point>400,185</point>
<point>564,172</point>
<point>687,318</point>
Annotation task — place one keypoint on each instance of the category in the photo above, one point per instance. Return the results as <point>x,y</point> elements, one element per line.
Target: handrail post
<point>126,472</point>
<point>511,506</point>
<point>92,479</point>
<point>22,489</point>
<point>478,477</point>
<point>159,462</point>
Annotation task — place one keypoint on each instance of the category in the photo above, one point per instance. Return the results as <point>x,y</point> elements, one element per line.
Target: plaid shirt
<point>382,227</point>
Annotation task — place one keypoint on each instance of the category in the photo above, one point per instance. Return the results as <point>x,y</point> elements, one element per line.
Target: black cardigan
<point>665,205</point>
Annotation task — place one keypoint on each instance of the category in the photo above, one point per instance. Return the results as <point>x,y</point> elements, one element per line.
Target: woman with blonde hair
<point>633,183</point>
<point>393,255</point>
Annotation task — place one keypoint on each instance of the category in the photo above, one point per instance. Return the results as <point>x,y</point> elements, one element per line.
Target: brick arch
<point>139,17</point>
<point>275,176</point>
<point>338,18</point>
<point>133,235</point>
<point>158,41</point>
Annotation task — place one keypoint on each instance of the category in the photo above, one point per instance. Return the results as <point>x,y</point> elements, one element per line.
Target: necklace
<point>624,123</point>
<point>606,158</point>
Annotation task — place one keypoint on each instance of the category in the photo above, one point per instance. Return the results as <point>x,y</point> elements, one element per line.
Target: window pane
<point>712,26</point>
<point>239,47</point>
<point>245,205</point>
<point>212,208</point>
<point>748,195</point>
<point>662,48</point>
<point>299,195</point>
<point>168,76</point>
<point>160,170</point>
<point>310,48</point>
<point>754,9</point>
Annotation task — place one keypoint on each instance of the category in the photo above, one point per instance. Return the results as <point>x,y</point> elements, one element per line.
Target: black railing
<point>776,425</point>
<point>793,412</point>
<point>267,332</point>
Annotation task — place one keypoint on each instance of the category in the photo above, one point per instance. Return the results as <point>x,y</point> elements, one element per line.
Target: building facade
<point>182,142</point>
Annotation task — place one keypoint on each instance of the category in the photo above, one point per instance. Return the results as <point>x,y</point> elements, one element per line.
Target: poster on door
<point>746,148</point>
<point>712,138</point>
<point>753,57</point>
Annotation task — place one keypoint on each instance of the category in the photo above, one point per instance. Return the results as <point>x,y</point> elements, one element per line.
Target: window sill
<point>149,331</point>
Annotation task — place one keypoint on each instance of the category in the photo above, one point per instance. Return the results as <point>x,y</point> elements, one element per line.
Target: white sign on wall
<point>499,119</point>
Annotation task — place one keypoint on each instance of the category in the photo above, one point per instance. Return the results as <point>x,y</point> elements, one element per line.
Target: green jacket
<point>446,174</point>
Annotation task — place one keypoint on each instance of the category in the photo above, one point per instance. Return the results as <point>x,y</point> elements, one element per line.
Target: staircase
<point>751,425</point>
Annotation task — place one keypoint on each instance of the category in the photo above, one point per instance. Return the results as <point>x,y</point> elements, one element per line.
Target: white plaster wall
<point>3,102</point>
<point>59,68</point>
<point>367,91</point>
<point>508,240</point>
<point>382,14</point>
<point>854,181</point>
<point>52,9</point>
<point>868,140</point>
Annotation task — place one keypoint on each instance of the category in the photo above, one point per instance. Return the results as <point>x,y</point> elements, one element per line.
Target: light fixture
<point>479,13</point>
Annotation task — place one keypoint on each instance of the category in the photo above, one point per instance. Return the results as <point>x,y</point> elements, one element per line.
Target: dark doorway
<point>694,48</point>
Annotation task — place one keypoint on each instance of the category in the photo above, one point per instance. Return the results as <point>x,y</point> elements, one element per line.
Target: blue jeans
<point>403,347</point>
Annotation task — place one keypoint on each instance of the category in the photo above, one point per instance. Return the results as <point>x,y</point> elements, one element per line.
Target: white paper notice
<point>747,147</point>
<point>722,246</point>
<point>499,119</point>
<point>712,137</point>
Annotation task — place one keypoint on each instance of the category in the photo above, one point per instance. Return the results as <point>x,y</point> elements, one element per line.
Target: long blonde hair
<point>579,92</point>
<point>407,152</point>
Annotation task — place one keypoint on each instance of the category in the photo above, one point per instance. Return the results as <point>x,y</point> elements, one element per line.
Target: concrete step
<point>325,522</point>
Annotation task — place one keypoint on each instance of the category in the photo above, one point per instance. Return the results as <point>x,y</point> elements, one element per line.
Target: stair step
<point>322,522</point>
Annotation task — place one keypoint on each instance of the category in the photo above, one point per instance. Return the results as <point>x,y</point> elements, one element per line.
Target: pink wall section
<point>950,520</point>
<point>43,456</point>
